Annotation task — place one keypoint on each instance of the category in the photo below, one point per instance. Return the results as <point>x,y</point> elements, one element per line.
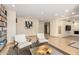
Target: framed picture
<point>68,28</point>
<point>28,24</point>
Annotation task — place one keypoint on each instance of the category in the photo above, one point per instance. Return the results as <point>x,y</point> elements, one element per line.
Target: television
<point>68,28</point>
<point>76,32</point>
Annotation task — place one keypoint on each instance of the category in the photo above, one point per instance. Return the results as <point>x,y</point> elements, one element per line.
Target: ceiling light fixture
<point>13,5</point>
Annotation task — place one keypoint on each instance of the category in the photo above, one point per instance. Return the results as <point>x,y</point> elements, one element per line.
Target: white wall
<point>41,26</point>
<point>55,28</point>
<point>21,29</point>
<point>76,27</point>
<point>52,27</point>
<point>11,25</point>
<point>67,33</point>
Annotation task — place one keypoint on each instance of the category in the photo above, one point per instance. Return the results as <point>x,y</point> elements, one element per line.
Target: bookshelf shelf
<point>3,25</point>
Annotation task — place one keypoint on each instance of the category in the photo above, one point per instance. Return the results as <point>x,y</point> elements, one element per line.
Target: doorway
<point>47,29</point>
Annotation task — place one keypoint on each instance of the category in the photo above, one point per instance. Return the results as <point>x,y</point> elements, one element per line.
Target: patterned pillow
<point>1,42</point>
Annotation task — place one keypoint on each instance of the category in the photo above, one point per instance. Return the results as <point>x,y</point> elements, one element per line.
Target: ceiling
<point>42,11</point>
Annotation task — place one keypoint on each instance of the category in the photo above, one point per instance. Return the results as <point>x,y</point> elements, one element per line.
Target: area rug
<point>23,51</point>
<point>75,45</point>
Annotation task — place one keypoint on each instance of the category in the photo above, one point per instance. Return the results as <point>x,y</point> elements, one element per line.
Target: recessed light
<point>13,5</point>
<point>73,12</point>
<point>67,10</point>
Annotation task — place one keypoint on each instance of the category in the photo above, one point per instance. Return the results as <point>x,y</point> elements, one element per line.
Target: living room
<point>57,25</point>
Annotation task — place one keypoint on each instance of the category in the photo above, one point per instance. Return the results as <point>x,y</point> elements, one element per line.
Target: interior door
<point>47,28</point>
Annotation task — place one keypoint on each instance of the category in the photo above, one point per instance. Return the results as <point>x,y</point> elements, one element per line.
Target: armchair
<point>41,38</point>
<point>21,41</point>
